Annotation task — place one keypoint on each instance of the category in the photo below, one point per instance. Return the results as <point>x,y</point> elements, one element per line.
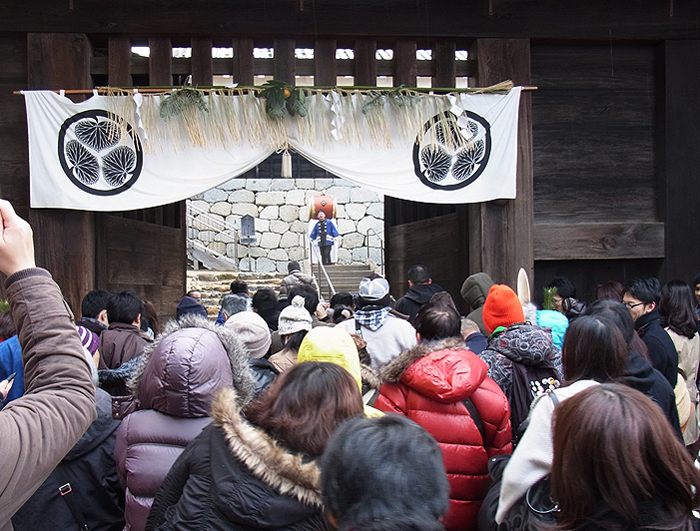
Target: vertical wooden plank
<point>405,68</point>
<point>243,67</point>
<point>160,67</point>
<point>64,240</point>
<point>445,64</point>
<point>501,232</point>
<point>202,61</point>
<point>326,70</point>
<point>366,63</point>
<point>284,60</point>
<point>680,163</point>
<point>119,68</point>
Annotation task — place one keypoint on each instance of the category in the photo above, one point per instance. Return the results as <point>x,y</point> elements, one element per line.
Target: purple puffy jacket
<point>177,378</point>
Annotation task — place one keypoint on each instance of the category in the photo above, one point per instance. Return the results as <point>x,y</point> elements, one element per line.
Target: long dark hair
<point>677,308</point>
<point>613,448</point>
<point>594,348</point>
<point>305,404</point>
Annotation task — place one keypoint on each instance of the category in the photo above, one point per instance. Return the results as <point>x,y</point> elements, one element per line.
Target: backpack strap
<point>70,497</point>
<point>474,414</point>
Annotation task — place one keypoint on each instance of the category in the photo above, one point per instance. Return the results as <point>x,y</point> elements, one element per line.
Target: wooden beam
<point>325,64</point>
<point>284,60</point>
<point>119,74</point>
<point>160,69</point>
<point>598,241</point>
<point>679,182</point>
<point>501,232</point>
<point>405,63</point>
<point>365,63</point>
<point>202,61</point>
<point>243,69</point>
<point>445,64</point>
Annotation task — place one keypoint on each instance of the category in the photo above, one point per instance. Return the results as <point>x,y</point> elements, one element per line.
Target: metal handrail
<point>381,239</point>
<point>214,223</point>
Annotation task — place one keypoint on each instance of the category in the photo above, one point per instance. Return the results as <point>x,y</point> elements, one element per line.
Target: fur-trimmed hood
<point>266,459</point>
<point>444,370</point>
<point>180,373</point>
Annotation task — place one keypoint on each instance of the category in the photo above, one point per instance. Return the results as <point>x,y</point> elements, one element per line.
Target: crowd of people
<point>366,413</point>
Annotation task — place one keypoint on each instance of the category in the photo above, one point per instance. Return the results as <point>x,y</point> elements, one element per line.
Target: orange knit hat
<point>501,308</point>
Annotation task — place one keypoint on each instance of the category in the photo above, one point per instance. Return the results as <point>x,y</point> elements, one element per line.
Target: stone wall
<point>280,209</point>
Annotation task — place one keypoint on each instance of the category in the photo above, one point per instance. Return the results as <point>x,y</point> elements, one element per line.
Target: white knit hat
<point>294,318</point>
<point>253,331</point>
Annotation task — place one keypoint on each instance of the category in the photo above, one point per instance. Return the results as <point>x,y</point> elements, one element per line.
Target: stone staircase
<point>343,278</point>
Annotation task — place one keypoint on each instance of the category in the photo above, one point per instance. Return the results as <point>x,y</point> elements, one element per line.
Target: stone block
<point>278,227</point>
<point>353,240</point>
<point>375,254</point>
<point>270,212</point>
<point>257,252</point>
<point>222,208</point>
<point>370,223</point>
<point>231,250</point>
<point>323,184</point>
<point>247,264</point>
<point>262,225</point>
<point>359,255</point>
<point>362,195</point>
<point>257,185</point>
<point>296,253</point>
<point>298,227</point>
<point>269,198</point>
<point>241,196</point>
<point>373,241</point>
<point>279,255</point>
<point>303,214</point>
<point>355,211</point>
<point>214,195</point>
<point>217,247</point>
<point>233,184</point>
<point>208,222</point>
<point>226,236</point>
<point>296,197</point>
<point>282,267</point>
<point>340,211</point>
<point>289,239</point>
<point>304,184</point>
<point>270,240</point>
<point>282,184</point>
<point>206,236</point>
<point>341,194</point>
<point>198,206</point>
<point>344,257</point>
<point>265,265</point>
<point>241,209</point>
<point>345,226</point>
<point>289,213</point>
<point>376,210</point>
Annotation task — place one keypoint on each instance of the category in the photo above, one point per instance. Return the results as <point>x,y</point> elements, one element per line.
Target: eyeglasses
<point>631,305</point>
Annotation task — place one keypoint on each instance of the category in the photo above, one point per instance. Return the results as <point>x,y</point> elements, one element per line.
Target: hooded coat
<point>235,476</point>
<point>524,343</point>
<point>416,296</point>
<point>175,384</point>
<point>90,469</point>
<point>429,384</point>
<point>474,291</point>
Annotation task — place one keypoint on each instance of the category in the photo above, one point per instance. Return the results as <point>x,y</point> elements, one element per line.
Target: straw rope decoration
<point>217,117</point>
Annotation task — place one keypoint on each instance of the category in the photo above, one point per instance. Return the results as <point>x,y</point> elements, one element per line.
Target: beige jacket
<point>688,359</point>
<point>58,405</point>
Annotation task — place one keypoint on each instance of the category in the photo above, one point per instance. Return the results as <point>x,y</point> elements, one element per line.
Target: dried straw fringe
<point>237,115</point>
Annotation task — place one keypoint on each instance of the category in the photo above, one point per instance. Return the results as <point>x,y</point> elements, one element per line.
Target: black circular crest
<point>451,152</point>
<point>100,153</point>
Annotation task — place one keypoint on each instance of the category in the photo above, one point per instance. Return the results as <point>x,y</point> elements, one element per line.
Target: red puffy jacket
<point>428,384</point>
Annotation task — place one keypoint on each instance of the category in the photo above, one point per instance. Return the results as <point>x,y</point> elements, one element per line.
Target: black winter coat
<point>90,469</point>
<point>234,476</point>
<point>662,351</point>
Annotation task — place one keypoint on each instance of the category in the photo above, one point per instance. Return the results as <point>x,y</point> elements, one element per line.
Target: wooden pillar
<point>366,63</point>
<point>284,60</point>
<point>160,64</point>
<point>445,64</point>
<point>501,236</point>
<point>326,68</point>
<point>119,69</point>
<point>202,62</point>
<point>243,67</point>
<point>405,66</point>
<point>64,240</point>
<point>679,159</point>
